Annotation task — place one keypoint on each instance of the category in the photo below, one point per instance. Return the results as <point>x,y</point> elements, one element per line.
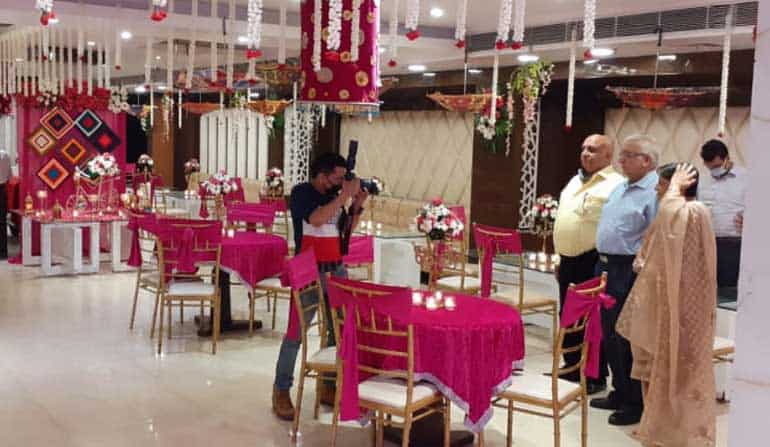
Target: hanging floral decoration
<point>518,24</point>
<point>589,26</point>
<point>145,119</point>
<point>571,83</point>
<point>412,21</point>
<point>504,24</point>
<point>334,26</point>
<point>492,129</point>
<point>726,47</point>
<point>71,101</point>
<point>167,108</point>
<point>254,29</point>
<point>118,100</point>
<point>393,34</point>
<point>46,11</point>
<point>159,10</point>
<point>532,81</point>
<point>460,29</point>
<point>317,18</point>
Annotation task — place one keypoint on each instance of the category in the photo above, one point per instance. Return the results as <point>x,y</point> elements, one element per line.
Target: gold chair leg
<point>298,408</point>
<point>170,308</point>
<point>160,327</point>
<point>556,429</point>
<point>267,298</point>
<point>509,432</point>
<point>215,324</point>
<point>136,297</point>
<point>407,430</point>
<point>375,425</point>
<point>155,313</point>
<point>275,306</point>
<point>336,414</point>
<point>317,403</point>
<point>181,313</point>
<point>555,324</point>
<point>251,312</point>
<point>584,421</point>
<point>447,421</point>
<point>380,430</point>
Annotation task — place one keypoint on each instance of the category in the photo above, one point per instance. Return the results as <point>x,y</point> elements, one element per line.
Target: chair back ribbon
<point>136,222</point>
<point>494,240</point>
<point>578,305</point>
<point>252,213</point>
<point>361,251</point>
<point>301,271</point>
<point>347,348</point>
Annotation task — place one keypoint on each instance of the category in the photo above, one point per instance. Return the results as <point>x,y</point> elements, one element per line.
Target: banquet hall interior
<point>184,182</point>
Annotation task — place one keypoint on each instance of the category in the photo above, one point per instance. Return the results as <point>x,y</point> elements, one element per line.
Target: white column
<point>751,371</point>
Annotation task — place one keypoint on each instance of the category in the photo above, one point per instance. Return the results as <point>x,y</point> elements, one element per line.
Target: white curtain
<point>235,141</point>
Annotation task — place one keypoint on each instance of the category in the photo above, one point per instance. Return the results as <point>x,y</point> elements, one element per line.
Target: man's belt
<point>616,259</point>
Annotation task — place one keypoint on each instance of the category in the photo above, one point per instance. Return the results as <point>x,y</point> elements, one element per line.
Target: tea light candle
<point>555,259</point>
<point>75,213</point>
<point>379,226</point>
<point>449,303</point>
<point>532,257</point>
<point>439,295</point>
<point>42,194</point>
<point>430,304</point>
<point>369,225</point>
<point>542,257</point>
<point>224,231</point>
<point>417,298</point>
<point>100,214</point>
<point>362,224</point>
<point>230,233</point>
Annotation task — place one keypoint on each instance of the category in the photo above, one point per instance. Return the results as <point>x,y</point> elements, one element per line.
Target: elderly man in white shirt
<point>5,175</point>
<point>723,190</point>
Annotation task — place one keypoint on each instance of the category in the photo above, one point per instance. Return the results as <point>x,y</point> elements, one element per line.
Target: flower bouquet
<point>192,170</point>
<point>103,167</point>
<point>145,164</point>
<point>274,183</point>
<point>544,215</point>
<point>501,126</point>
<point>218,185</point>
<point>191,166</point>
<point>437,221</point>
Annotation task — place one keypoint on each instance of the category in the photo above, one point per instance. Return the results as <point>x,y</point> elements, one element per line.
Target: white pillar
<point>751,371</point>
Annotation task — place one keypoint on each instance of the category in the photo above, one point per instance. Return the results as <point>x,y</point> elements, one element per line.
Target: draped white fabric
<point>235,141</point>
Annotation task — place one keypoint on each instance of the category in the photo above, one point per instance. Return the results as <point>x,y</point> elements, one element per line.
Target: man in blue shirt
<point>630,209</point>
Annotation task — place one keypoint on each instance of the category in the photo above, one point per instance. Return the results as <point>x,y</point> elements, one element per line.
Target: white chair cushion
<point>723,344</point>
<point>392,392</point>
<point>453,282</point>
<point>271,283</point>
<point>151,279</point>
<point>538,386</point>
<point>326,356</point>
<point>190,288</point>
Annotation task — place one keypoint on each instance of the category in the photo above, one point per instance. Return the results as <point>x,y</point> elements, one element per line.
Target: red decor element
<point>57,122</point>
<point>158,15</point>
<point>500,45</point>
<point>118,67</point>
<point>462,103</point>
<point>413,35</point>
<point>53,174</point>
<point>661,98</point>
<point>587,54</point>
<point>46,17</point>
<point>567,129</point>
<point>392,63</point>
<point>74,152</point>
<point>460,44</point>
<point>5,105</point>
<point>517,45</point>
<point>71,101</point>
<point>350,84</point>
<point>332,56</point>
<point>41,141</point>
<point>253,54</point>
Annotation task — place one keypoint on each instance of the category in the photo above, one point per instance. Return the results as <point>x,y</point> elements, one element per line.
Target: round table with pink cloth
<point>253,256</point>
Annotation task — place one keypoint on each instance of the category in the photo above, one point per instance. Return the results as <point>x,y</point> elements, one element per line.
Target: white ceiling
<point>436,54</point>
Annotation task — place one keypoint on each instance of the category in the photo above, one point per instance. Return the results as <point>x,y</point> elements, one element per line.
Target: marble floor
<point>73,374</point>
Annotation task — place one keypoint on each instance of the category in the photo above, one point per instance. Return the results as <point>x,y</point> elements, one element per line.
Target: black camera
<point>367,184</point>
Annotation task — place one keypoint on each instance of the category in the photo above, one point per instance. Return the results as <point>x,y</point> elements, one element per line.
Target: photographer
<point>317,207</point>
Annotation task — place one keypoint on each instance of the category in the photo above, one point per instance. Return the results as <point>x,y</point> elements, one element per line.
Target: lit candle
<point>369,225</point>
<point>439,296</point>
<point>542,257</point>
<point>75,213</point>
<point>231,233</point>
<point>417,298</point>
<point>379,226</point>
<point>449,303</point>
<point>362,224</point>
<point>224,231</point>
<point>430,304</point>
<point>42,194</point>
<point>532,257</point>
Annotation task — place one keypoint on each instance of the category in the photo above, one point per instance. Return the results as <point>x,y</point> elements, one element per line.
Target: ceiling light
<point>667,57</point>
<point>381,50</point>
<point>254,95</point>
<point>91,43</point>
<point>474,71</point>
<point>416,68</point>
<point>436,12</point>
<point>602,52</point>
<point>19,59</point>
<point>157,58</point>
<point>243,39</point>
<point>161,87</point>
<point>429,75</point>
<point>140,89</point>
<point>528,58</point>
<point>126,35</point>
<point>590,61</point>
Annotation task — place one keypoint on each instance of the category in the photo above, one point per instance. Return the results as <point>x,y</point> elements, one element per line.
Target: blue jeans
<point>287,356</point>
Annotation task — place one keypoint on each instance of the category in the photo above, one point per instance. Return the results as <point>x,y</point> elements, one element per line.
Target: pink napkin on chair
<point>508,242</point>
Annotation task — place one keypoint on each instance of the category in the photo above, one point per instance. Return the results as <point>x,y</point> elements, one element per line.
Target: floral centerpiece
<point>544,215</point>
<point>145,164</point>
<point>438,221</point>
<point>219,184</point>
<point>191,165</point>
<point>274,182</point>
<point>102,166</point>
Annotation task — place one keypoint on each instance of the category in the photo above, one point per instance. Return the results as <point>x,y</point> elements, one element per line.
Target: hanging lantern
<point>340,81</point>
<point>412,19</point>
<point>254,29</point>
<point>159,10</point>
<point>46,11</point>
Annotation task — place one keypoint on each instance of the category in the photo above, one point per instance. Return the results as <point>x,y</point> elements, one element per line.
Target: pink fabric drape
<point>576,306</point>
<point>361,251</point>
<point>279,203</point>
<point>251,213</point>
<point>509,241</point>
<point>300,271</point>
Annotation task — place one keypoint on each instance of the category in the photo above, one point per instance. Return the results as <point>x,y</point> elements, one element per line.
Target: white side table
<point>118,228</point>
<point>71,234</point>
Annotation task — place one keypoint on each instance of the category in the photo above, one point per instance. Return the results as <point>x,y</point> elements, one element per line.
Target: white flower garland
<point>412,20</point>
<point>46,11</point>
<point>254,28</point>
<point>504,23</point>
<point>213,60</point>
<point>148,61</point>
<point>170,62</point>
<point>118,100</point>
<point>190,66</point>
<point>460,28</point>
<point>355,30</point>
<point>727,45</point>
<point>317,25</point>
<point>571,81</point>
<point>518,24</point>
<point>589,23</point>
<point>79,61</point>
<point>393,31</point>
<point>334,25</point>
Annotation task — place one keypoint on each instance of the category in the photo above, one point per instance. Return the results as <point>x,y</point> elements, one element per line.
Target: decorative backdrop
<point>235,140</point>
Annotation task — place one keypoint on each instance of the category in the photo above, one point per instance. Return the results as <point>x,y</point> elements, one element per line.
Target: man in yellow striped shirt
<point>574,235</point>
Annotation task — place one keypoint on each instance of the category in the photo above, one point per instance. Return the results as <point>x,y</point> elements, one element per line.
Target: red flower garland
<point>71,100</point>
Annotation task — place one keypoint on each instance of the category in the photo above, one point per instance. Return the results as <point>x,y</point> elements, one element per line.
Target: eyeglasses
<point>626,154</point>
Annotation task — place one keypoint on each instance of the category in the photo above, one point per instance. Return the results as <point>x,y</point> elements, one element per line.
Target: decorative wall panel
<point>418,154</point>
<point>234,141</point>
<point>681,132</point>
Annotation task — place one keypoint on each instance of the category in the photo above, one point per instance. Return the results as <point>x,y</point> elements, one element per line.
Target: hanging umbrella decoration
<point>159,10</point>
<point>46,11</point>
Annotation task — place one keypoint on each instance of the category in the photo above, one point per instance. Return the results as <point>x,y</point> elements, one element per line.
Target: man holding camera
<point>317,208</point>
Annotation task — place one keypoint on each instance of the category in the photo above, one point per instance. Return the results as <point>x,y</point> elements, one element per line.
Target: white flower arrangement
<point>544,214</point>
<point>118,100</point>
<point>145,163</point>
<point>437,221</point>
<point>486,128</point>
<point>103,165</point>
<point>220,183</point>
<point>274,178</point>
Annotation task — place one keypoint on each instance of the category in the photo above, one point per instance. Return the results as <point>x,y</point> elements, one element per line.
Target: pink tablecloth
<point>254,256</point>
<point>467,353</point>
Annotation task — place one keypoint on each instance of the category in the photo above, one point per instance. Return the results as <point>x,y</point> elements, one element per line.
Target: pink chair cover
<point>278,202</point>
<point>301,270</point>
<point>492,245</point>
<point>143,221</point>
<point>347,347</point>
<point>236,196</point>
<point>251,213</point>
<point>578,305</point>
<point>361,251</point>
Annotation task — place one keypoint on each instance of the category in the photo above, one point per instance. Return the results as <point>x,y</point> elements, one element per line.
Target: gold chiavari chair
<point>147,276</point>
<point>451,273</point>
<point>516,296</point>
<point>394,393</point>
<point>553,397</point>
<point>199,287</point>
